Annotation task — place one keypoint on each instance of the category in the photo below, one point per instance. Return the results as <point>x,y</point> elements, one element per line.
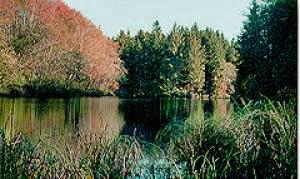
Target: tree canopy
<point>268,49</point>
<point>184,62</point>
<point>56,45</point>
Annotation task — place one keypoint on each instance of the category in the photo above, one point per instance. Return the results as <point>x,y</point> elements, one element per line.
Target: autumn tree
<point>55,43</point>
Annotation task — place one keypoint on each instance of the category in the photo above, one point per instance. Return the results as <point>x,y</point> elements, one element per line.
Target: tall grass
<point>258,140</point>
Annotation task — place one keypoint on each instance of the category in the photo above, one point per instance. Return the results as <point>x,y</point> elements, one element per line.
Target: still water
<point>114,116</point>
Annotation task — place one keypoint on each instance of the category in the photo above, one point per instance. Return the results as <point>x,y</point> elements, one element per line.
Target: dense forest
<point>268,50</point>
<point>48,48</point>
<point>185,62</point>
<point>262,62</point>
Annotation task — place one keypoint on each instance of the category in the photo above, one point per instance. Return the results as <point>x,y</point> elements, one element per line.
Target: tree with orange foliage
<point>43,32</point>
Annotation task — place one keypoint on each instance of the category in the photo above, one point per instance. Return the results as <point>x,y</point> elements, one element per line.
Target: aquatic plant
<point>257,140</point>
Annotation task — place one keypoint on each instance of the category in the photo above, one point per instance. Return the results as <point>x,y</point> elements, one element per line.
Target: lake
<point>140,117</point>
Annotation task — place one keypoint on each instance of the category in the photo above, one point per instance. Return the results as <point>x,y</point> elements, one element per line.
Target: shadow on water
<point>217,108</point>
<point>140,117</point>
<point>145,117</point>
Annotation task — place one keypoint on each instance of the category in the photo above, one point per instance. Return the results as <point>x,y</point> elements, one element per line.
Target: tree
<point>181,63</point>
<point>43,33</point>
<point>196,64</point>
<point>268,50</point>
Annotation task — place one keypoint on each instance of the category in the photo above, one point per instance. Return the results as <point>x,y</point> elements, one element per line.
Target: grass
<point>257,141</point>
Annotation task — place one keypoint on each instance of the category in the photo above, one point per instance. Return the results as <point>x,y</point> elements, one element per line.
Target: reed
<point>257,141</point>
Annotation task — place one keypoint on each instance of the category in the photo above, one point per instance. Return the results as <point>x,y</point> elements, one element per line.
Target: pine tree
<point>268,46</point>
<point>196,63</point>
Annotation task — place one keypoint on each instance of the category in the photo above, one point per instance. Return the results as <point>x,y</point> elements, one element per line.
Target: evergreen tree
<point>196,63</point>
<point>268,48</point>
<point>177,63</point>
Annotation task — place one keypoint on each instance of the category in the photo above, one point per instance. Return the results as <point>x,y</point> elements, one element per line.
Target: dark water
<point>140,117</point>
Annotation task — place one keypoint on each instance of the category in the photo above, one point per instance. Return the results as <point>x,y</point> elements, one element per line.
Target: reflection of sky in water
<point>110,114</point>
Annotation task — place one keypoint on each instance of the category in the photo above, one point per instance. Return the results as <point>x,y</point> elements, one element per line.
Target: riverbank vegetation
<point>258,140</point>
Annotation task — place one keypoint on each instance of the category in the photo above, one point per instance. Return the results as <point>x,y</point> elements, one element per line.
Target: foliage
<point>268,49</point>
<point>185,62</point>
<point>259,140</point>
<point>56,44</point>
<point>221,63</point>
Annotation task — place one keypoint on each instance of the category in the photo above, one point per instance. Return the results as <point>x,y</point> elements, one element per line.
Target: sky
<point>115,15</point>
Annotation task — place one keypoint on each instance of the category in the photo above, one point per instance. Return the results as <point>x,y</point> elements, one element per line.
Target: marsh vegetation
<point>256,140</point>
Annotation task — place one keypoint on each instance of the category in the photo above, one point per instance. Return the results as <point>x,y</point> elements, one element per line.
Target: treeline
<point>194,62</point>
<point>184,62</point>
<point>268,50</point>
<point>46,48</point>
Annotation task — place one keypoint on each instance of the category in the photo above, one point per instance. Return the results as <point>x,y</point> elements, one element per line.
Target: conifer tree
<point>268,48</point>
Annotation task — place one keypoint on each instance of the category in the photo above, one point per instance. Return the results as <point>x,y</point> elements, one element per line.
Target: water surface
<point>140,117</point>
